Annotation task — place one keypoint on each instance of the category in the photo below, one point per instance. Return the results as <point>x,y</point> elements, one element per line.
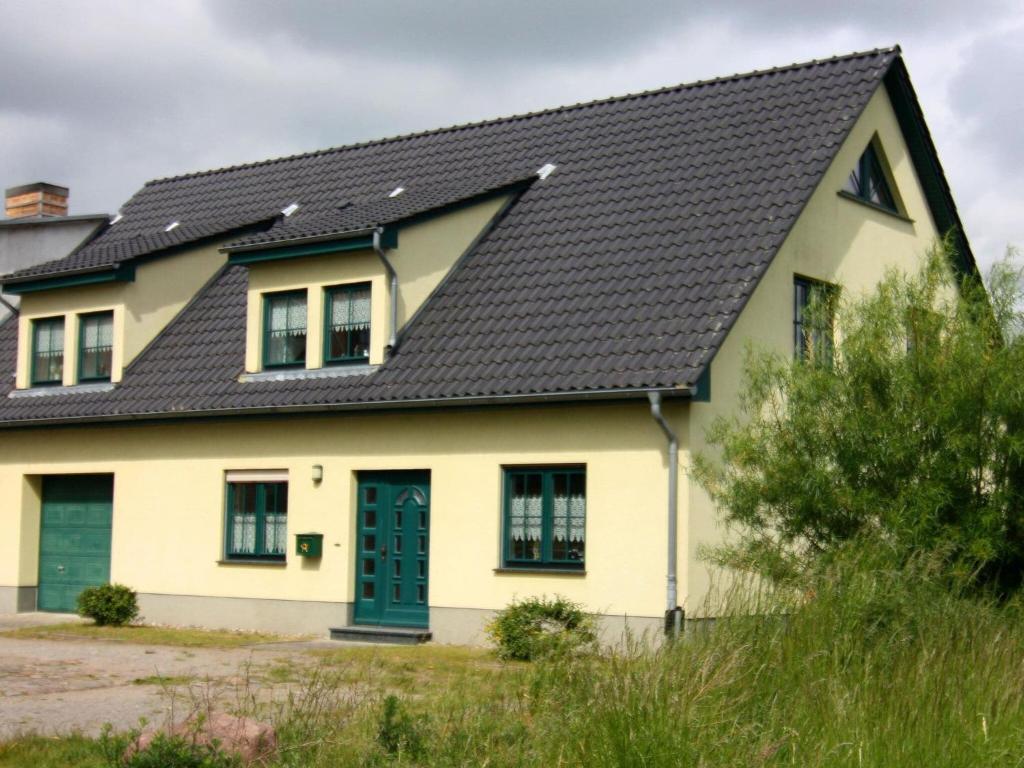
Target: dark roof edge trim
<point>633,393</point>
<point>925,158</point>
<point>305,246</point>
<point>121,273</point>
<point>272,244</point>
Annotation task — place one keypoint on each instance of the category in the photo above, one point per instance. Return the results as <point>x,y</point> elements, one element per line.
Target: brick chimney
<point>39,199</point>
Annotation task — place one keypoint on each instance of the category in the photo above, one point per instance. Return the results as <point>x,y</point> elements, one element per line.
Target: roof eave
<point>123,273</point>
<point>468,401</point>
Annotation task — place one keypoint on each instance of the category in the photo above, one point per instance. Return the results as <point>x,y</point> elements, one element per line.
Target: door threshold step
<point>387,635</point>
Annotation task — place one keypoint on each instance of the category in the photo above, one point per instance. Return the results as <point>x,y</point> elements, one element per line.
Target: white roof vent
<point>117,218</point>
<point>172,225</point>
<point>397,191</point>
<point>289,210</point>
<point>545,170</point>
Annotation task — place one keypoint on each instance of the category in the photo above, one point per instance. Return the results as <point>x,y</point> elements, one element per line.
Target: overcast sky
<point>103,95</point>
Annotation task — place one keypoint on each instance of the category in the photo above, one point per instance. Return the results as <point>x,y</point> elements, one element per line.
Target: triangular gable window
<point>868,182</point>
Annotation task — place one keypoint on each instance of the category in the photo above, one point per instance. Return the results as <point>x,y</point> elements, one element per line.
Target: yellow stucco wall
<point>426,252</point>
<point>836,240</point>
<point>141,308</point>
<point>168,521</point>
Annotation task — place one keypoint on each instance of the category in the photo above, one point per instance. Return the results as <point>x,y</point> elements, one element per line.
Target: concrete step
<point>385,635</point>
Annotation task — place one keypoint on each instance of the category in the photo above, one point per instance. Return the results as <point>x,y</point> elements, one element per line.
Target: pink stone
<point>250,739</point>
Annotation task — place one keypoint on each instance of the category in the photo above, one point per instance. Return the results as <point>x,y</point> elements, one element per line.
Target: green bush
<point>538,627</point>
<point>109,604</point>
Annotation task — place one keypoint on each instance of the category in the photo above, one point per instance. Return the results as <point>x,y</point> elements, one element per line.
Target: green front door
<point>74,541</point>
<point>393,542</point>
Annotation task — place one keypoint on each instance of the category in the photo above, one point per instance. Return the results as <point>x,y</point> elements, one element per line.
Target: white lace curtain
<point>288,316</point>
<point>525,517</point>
<point>243,533</point>
<point>570,515</point>
<point>350,310</point>
<point>50,339</point>
<point>97,333</point>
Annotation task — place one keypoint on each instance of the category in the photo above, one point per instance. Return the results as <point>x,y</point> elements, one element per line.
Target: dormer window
<point>48,351</point>
<point>868,182</point>
<point>95,346</point>
<point>347,324</point>
<point>284,329</point>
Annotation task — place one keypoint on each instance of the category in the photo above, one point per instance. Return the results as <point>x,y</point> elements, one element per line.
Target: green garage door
<point>74,544</point>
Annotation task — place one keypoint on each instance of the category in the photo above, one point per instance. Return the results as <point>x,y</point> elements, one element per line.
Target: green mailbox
<point>309,544</point>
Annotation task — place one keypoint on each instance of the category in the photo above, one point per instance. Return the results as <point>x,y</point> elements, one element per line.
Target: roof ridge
<point>894,49</point>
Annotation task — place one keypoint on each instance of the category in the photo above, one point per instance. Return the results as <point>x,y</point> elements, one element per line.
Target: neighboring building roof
<point>620,272</point>
<point>46,221</point>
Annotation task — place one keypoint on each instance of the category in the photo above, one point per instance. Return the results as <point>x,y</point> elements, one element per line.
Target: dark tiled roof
<point>409,204</point>
<point>623,270</point>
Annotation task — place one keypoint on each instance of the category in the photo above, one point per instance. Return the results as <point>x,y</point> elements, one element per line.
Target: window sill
<point>874,206</point>
<point>542,571</point>
<point>254,561</point>
<point>48,390</point>
<point>293,374</point>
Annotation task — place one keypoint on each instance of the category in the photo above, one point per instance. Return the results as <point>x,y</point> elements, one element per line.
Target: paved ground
<point>58,686</point>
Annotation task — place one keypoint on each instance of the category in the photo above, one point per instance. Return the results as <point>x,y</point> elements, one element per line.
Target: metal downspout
<point>393,281</point>
<point>673,613</point>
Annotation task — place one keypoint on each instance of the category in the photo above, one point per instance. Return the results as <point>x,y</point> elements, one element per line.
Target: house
<point>399,384</point>
<point>37,228</point>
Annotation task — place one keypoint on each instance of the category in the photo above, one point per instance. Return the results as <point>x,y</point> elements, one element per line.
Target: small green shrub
<point>109,604</point>
<point>398,731</point>
<point>539,627</point>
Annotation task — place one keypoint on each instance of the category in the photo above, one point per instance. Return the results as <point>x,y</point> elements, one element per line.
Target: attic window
<point>290,209</point>
<point>868,181</point>
<point>116,219</point>
<point>397,191</point>
<point>173,225</point>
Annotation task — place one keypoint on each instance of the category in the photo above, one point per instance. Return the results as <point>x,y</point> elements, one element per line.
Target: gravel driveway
<point>59,686</point>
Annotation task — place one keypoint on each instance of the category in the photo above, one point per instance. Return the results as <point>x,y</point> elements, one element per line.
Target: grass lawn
<point>880,674</point>
<point>144,635</point>
<point>43,752</point>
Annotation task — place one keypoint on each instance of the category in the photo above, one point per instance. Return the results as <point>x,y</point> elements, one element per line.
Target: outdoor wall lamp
<point>318,473</point>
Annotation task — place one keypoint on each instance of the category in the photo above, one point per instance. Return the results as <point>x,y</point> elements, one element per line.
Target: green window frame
<point>545,516</point>
<point>347,324</point>
<point>256,525</point>
<point>813,320</point>
<point>47,351</point>
<point>867,181</point>
<point>95,346</point>
<point>285,327</point>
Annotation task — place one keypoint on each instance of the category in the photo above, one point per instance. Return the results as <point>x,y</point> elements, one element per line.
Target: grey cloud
<point>987,93</point>
<point>484,34</point>
<point>105,95</point>
<point>535,33</point>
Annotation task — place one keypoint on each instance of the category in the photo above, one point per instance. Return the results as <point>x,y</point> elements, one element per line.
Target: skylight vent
<point>173,225</point>
<point>544,171</point>
<point>117,218</point>
<point>397,191</point>
<point>289,210</point>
